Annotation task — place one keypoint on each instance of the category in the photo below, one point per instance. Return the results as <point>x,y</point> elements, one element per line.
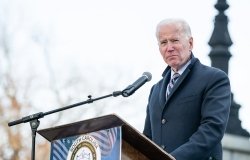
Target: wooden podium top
<point>129,134</point>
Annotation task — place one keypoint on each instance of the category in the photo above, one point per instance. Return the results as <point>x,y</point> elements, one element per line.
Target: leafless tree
<point>17,86</point>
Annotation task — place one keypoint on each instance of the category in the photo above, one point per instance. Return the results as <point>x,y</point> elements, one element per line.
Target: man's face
<point>174,46</point>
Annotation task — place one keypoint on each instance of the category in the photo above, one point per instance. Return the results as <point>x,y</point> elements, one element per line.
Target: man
<point>188,108</point>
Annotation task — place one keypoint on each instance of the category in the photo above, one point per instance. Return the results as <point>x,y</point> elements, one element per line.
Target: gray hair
<point>179,23</point>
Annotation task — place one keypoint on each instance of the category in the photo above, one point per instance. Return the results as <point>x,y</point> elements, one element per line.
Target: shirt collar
<point>182,69</point>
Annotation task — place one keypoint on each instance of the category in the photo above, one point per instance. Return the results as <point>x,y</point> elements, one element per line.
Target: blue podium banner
<point>99,145</point>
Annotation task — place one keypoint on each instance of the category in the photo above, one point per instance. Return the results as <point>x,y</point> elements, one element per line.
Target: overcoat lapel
<point>166,78</point>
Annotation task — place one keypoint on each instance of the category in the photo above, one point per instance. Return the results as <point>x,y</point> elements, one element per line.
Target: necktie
<point>172,82</point>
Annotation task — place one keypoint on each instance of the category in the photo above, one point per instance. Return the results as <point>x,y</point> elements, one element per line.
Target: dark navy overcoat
<point>191,122</point>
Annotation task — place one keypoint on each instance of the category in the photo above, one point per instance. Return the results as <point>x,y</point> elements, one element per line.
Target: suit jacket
<point>191,122</point>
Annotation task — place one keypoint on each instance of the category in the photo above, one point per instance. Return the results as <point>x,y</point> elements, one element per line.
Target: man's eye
<point>163,43</point>
<point>174,40</point>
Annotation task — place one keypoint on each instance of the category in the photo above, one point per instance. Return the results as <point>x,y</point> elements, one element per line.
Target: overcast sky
<point>116,33</point>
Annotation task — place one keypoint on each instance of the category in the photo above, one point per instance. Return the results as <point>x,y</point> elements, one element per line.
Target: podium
<point>133,144</point>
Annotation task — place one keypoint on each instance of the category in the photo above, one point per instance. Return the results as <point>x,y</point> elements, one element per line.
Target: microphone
<point>146,76</point>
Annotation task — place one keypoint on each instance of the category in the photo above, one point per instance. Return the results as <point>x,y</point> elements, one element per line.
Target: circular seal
<point>84,147</point>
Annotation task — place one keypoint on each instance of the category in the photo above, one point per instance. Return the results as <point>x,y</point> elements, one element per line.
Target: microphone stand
<point>34,118</point>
